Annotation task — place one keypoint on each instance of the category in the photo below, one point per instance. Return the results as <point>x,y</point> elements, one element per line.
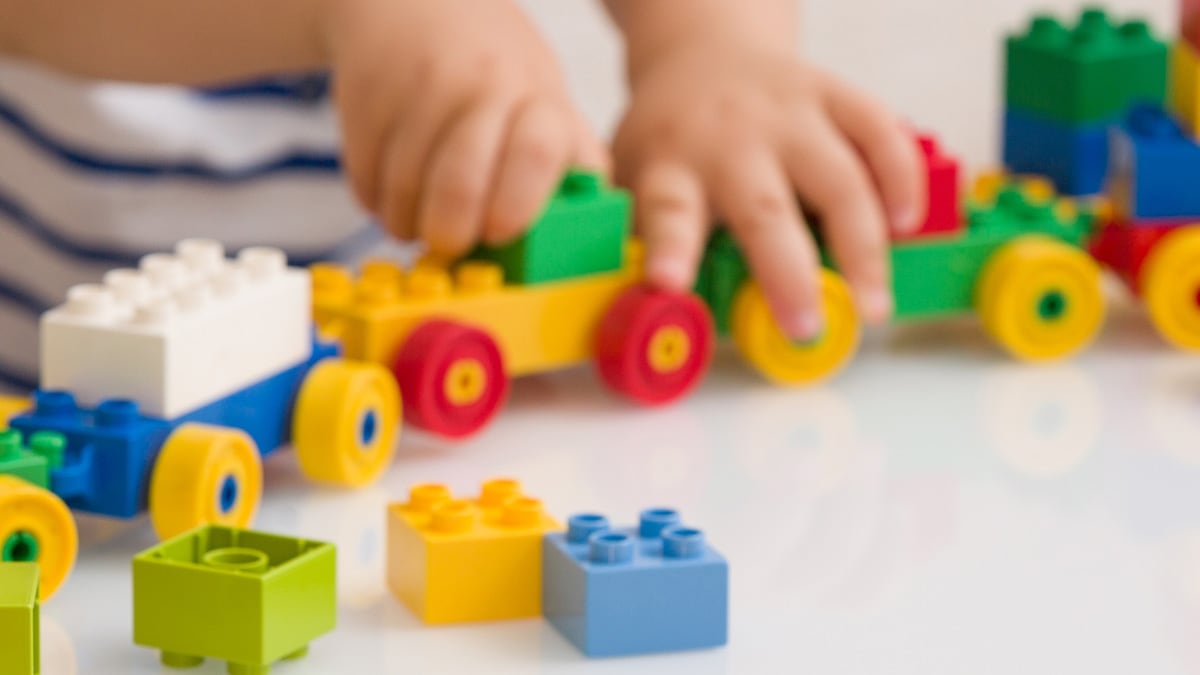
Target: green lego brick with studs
<point>1090,72</point>
<point>20,622</point>
<point>933,276</point>
<point>32,463</point>
<point>581,231</point>
<point>244,597</point>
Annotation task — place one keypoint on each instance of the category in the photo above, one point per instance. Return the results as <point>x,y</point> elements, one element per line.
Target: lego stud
<point>204,257</point>
<point>682,542</point>
<point>116,413</point>
<point>1093,26</point>
<point>155,312</point>
<point>479,277</point>
<point>331,283</point>
<point>262,262</point>
<point>53,403</point>
<point>128,286</point>
<point>610,548</point>
<point>193,298</point>
<point>1047,30</point>
<point>425,497</point>
<point>228,281</point>
<point>382,271</point>
<point>10,444</point>
<point>245,560</point>
<point>580,184</point>
<point>654,521</point>
<point>453,516</point>
<point>582,526</point>
<point>376,292</point>
<point>428,283</point>
<point>167,272</point>
<point>89,301</point>
<point>522,512</point>
<point>498,491</point>
<point>50,445</point>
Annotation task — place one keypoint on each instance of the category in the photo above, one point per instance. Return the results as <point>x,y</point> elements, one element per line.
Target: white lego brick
<point>182,331</point>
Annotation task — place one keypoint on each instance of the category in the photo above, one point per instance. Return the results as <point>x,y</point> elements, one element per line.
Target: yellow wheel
<point>786,361</point>
<point>10,407</point>
<point>205,475</point>
<point>1040,299</point>
<point>36,526</point>
<point>1171,287</point>
<point>346,420</point>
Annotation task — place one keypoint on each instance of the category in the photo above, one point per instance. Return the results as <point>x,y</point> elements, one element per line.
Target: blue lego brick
<point>111,449</point>
<point>655,588</point>
<point>1074,157</point>
<point>1156,166</point>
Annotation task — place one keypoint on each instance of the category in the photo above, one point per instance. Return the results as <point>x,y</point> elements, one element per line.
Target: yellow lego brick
<point>454,561</point>
<point>537,328</point>
<point>11,406</point>
<point>1185,85</point>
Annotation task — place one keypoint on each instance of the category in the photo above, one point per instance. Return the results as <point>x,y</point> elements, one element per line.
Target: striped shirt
<point>95,175</point>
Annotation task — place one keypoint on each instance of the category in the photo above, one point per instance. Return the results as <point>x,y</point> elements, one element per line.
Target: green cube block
<point>721,273</point>
<point>244,597</point>
<point>31,464</point>
<point>20,622</point>
<point>581,231</point>
<point>1090,72</point>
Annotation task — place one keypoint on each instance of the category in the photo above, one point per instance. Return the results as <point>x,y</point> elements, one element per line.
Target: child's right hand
<point>456,122</point>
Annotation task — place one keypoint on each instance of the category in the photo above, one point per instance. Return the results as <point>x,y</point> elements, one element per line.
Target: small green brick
<point>722,271</point>
<point>31,464</point>
<point>244,597</point>
<point>581,231</point>
<point>20,620</point>
<point>1091,72</point>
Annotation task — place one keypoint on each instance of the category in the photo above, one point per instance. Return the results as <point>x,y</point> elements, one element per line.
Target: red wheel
<point>654,346</point>
<point>451,378</point>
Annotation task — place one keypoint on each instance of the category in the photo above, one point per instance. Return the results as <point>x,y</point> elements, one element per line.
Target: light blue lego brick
<point>655,588</point>
<point>111,449</point>
<point>1074,157</point>
<point>1156,166</point>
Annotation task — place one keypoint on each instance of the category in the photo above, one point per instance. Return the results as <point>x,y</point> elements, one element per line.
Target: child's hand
<point>456,121</point>
<point>736,133</point>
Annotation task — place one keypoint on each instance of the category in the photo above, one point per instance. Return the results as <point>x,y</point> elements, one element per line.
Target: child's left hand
<point>735,132</point>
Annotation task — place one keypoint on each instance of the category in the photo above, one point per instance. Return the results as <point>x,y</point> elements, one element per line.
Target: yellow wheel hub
<point>1171,287</point>
<point>36,526</point>
<point>465,383</point>
<point>786,361</point>
<point>669,349</point>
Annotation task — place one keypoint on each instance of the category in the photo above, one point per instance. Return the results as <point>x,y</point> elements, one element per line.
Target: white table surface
<point>938,509</point>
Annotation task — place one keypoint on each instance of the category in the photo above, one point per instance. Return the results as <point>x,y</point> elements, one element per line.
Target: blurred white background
<point>938,62</point>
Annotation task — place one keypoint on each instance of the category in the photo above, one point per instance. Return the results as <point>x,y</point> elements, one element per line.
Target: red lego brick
<point>1123,246</point>
<point>1189,21</point>
<point>945,212</point>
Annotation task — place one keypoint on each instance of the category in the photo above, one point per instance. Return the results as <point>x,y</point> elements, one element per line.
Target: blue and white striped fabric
<point>95,175</point>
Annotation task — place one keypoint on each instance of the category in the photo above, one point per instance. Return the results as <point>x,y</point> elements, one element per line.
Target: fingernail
<point>805,326</point>
<point>875,305</point>
<point>905,220</point>
<point>668,272</point>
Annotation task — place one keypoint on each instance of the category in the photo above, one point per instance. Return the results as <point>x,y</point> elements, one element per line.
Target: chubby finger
<point>406,152</point>
<point>672,219</point>
<point>831,178</point>
<point>462,171</point>
<point>752,192</point>
<point>532,160</point>
<point>891,152</point>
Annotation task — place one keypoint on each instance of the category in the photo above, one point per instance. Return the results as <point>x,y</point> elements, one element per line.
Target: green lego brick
<point>936,277</point>
<point>244,597</point>
<point>20,620</point>
<point>581,231</point>
<point>31,464</point>
<point>721,273</point>
<point>1090,72</point>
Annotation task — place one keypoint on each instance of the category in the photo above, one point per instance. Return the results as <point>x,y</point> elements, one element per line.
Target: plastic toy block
<point>944,214</point>
<point>181,332</point>
<point>1075,157</point>
<point>1084,74</point>
<point>20,622</point>
<point>454,561</point>
<point>1189,21</point>
<point>1156,166</point>
<point>1185,85</point>
<point>581,231</point>
<point>658,587</point>
<point>537,328</point>
<point>1123,246</point>
<point>723,269</point>
<point>31,464</point>
<point>244,597</point>
<point>11,406</point>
